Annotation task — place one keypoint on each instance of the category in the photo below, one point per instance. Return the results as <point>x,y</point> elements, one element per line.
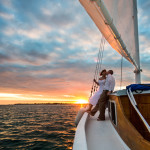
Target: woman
<point>94,99</point>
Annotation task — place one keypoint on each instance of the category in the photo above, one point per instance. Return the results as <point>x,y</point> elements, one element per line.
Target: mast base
<point>137,76</point>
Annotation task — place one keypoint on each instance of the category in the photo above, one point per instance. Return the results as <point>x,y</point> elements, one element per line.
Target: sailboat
<point>127,124</point>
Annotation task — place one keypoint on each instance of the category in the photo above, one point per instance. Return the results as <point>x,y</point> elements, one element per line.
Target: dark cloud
<point>26,9</point>
<point>37,54</point>
<point>4,57</point>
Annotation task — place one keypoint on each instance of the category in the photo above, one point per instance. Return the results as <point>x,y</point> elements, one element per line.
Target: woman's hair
<point>102,72</point>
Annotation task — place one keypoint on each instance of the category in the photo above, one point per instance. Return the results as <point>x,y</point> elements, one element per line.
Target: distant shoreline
<point>45,104</point>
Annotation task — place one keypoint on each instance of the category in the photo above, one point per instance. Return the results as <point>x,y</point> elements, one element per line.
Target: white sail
<point>115,19</point>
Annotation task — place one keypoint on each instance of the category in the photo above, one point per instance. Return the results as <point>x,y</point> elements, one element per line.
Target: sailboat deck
<point>101,135</point>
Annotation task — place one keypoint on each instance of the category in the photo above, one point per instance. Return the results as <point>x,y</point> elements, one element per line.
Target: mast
<point>137,57</point>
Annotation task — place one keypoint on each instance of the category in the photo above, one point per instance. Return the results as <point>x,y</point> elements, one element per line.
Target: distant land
<point>47,104</point>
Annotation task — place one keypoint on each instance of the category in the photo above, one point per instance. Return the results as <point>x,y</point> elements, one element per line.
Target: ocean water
<point>37,127</point>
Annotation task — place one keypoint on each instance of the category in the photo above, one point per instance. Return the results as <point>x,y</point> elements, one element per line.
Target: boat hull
<point>129,126</point>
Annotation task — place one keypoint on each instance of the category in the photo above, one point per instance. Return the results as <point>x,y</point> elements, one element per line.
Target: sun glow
<point>9,95</point>
<point>19,98</point>
<point>81,101</point>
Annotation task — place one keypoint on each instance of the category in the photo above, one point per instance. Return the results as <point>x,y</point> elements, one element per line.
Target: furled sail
<point>115,19</point>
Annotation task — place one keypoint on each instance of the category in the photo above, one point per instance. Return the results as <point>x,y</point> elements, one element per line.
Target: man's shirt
<point>110,83</point>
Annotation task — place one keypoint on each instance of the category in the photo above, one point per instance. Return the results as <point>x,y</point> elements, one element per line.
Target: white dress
<point>94,99</point>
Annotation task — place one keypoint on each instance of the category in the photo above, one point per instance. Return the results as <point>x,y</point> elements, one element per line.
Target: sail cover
<point>115,20</point>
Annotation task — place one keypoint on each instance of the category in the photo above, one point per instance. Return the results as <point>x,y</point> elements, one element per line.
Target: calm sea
<point>37,127</point>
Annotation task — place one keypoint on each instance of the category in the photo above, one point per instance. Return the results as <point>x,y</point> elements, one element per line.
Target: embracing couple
<point>100,98</point>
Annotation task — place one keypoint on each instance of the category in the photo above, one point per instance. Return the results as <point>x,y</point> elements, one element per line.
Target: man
<point>108,89</point>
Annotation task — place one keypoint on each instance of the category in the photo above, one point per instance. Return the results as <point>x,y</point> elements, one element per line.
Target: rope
<point>100,59</point>
<point>121,72</point>
<point>98,65</point>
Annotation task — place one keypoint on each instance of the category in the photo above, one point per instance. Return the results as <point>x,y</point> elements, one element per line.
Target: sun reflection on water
<point>48,126</point>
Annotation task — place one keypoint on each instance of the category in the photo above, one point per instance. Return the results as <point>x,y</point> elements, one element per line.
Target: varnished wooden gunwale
<point>125,127</point>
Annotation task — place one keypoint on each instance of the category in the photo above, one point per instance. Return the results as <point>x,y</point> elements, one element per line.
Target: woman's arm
<point>96,82</point>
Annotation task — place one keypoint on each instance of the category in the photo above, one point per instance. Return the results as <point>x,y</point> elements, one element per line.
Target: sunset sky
<point>48,51</point>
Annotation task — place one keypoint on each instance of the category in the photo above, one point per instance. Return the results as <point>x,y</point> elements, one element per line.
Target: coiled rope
<point>98,65</point>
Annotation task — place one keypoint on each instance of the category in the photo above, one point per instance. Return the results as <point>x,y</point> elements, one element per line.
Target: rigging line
<point>95,74</point>
<point>101,56</point>
<point>102,52</point>
<point>97,69</point>
<point>97,63</point>
<point>93,85</point>
<point>121,72</point>
<point>99,60</point>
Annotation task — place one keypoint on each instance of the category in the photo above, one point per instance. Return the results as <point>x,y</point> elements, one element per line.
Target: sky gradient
<point>48,51</point>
